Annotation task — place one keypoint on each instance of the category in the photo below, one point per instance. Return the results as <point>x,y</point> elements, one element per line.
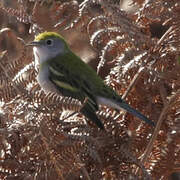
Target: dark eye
<point>49,42</point>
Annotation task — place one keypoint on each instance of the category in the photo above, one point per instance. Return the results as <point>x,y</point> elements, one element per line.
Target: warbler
<point>61,71</point>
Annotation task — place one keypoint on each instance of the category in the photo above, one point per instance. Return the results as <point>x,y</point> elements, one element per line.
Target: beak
<point>34,43</point>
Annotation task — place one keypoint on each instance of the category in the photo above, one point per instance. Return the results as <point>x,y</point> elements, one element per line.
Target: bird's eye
<point>49,42</point>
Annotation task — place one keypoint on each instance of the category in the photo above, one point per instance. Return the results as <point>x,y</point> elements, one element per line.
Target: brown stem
<point>133,82</point>
<point>158,126</point>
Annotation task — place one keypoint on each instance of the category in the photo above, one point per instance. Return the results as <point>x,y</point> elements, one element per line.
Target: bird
<point>64,73</point>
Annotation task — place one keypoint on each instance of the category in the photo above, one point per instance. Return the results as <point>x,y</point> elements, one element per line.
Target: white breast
<point>43,80</point>
<point>43,76</point>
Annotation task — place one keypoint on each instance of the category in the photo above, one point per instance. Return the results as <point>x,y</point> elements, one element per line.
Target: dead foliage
<point>139,50</point>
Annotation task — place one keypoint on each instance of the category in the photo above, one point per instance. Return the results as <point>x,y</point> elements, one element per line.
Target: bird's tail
<point>120,104</point>
<point>136,113</point>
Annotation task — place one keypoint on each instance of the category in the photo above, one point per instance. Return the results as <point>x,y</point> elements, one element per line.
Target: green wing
<point>73,84</point>
<point>70,84</point>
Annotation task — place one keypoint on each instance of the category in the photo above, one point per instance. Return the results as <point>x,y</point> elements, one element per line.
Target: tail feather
<point>90,113</point>
<point>120,104</point>
<point>135,113</point>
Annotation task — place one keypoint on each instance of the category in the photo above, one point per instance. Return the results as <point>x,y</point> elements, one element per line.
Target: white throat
<point>39,56</point>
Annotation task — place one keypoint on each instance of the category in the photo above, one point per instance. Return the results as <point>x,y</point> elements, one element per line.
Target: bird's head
<point>48,45</point>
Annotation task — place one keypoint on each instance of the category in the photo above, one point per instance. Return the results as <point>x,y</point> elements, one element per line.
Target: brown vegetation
<point>138,53</point>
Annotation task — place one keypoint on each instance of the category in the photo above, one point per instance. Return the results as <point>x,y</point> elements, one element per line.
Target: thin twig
<point>163,37</point>
<point>133,82</point>
<point>158,126</point>
<point>163,93</point>
<point>70,115</point>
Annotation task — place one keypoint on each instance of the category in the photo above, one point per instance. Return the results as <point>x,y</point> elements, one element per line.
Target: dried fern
<point>40,138</point>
